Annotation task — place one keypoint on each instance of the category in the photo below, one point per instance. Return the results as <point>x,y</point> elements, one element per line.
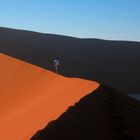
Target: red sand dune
<point>31,97</point>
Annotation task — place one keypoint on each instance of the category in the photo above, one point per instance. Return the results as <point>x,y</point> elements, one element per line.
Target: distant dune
<point>31,97</point>
<point>113,63</point>
<point>105,114</point>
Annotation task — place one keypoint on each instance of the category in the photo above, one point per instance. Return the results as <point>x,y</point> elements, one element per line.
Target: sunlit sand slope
<point>31,97</point>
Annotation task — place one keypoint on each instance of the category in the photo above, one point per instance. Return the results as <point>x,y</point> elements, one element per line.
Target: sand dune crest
<point>31,96</point>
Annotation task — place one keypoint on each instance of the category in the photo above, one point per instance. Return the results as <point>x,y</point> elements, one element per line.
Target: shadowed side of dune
<point>105,114</point>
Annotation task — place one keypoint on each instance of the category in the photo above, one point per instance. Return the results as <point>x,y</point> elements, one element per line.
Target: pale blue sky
<point>106,19</point>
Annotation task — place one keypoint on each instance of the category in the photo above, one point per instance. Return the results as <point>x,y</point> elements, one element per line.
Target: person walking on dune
<point>56,64</point>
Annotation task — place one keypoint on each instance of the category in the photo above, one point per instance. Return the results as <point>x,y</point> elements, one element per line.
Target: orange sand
<point>30,97</point>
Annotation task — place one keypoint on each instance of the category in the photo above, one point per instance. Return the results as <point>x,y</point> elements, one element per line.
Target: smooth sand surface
<point>31,97</point>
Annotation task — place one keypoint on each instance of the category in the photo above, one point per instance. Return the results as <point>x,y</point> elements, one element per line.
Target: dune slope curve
<point>31,97</point>
<point>105,114</point>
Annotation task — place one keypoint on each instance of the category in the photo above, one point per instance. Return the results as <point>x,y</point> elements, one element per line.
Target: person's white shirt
<point>56,62</point>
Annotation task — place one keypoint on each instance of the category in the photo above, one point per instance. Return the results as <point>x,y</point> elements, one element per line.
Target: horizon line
<point>71,36</point>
